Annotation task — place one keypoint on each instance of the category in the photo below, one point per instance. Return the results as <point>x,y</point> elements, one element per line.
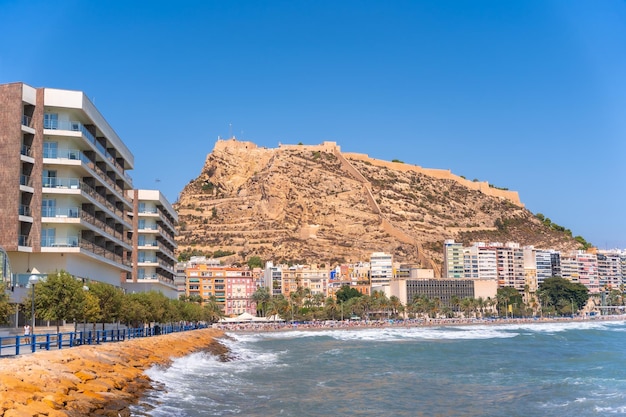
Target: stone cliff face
<point>314,204</point>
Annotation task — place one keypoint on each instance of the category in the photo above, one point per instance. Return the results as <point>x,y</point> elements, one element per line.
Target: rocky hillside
<point>315,204</point>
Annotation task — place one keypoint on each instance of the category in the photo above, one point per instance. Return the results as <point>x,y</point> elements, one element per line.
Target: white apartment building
<point>154,229</point>
<point>65,177</point>
<point>381,269</point>
<point>480,262</point>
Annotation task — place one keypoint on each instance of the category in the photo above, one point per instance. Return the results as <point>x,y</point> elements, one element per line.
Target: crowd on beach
<point>430,322</point>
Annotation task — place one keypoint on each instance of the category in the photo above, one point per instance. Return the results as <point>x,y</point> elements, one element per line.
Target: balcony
<point>61,182</point>
<point>24,240</point>
<point>103,252</point>
<point>75,126</point>
<point>25,210</point>
<point>26,151</point>
<point>27,120</point>
<point>58,242</point>
<point>26,180</point>
<point>72,212</point>
<point>99,224</point>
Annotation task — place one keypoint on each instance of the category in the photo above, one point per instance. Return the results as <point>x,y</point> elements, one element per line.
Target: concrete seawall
<point>98,380</point>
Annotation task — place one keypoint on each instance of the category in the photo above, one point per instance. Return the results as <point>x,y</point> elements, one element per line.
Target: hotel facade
<point>67,194</point>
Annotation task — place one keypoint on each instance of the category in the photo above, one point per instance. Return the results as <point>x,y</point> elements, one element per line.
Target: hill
<point>315,204</point>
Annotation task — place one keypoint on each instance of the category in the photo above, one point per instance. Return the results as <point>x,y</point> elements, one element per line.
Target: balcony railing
<point>27,120</point>
<point>72,212</point>
<point>26,150</point>
<point>24,240</point>
<point>147,259</point>
<point>59,242</point>
<point>100,251</point>
<point>61,182</point>
<point>25,210</point>
<point>89,218</point>
<point>79,127</point>
<point>96,196</point>
<point>26,180</point>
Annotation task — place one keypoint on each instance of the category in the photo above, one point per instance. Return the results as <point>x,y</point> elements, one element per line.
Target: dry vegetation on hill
<point>312,204</point>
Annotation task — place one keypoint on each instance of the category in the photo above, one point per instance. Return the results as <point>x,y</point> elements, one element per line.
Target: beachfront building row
<point>524,268</point>
<point>68,200</point>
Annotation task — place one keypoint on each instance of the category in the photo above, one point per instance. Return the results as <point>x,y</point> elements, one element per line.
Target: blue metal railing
<point>16,345</point>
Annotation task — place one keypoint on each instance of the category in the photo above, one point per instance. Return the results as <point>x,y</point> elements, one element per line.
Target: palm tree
<point>261,297</point>
<point>396,305</point>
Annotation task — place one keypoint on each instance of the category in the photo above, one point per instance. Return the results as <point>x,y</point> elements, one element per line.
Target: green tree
<point>6,308</point>
<point>109,301</point>
<point>255,262</point>
<point>59,297</point>
<point>261,297</point>
<point>346,292</point>
<point>507,298</point>
<point>560,294</point>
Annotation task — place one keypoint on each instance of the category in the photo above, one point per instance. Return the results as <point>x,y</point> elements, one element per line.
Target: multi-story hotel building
<point>153,260</point>
<point>65,176</point>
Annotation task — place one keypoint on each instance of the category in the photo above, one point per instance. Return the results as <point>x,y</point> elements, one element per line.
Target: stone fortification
<point>99,380</point>
<point>444,174</point>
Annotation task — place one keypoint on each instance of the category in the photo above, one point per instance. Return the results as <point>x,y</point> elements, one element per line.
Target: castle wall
<point>444,174</point>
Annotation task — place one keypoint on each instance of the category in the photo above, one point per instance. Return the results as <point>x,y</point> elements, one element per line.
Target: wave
<point>447,332</point>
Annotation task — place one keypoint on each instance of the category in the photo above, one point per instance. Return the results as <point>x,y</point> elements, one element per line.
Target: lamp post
<point>32,280</point>
<point>85,288</point>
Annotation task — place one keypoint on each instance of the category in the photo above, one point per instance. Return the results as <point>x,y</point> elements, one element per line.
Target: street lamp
<point>85,288</point>
<point>32,280</point>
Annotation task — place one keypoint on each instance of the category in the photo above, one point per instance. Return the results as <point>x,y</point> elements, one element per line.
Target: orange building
<point>232,287</point>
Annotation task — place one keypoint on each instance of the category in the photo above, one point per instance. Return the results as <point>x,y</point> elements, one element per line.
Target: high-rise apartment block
<point>67,200</point>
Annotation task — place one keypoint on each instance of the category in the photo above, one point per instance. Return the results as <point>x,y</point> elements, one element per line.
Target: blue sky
<point>528,95</point>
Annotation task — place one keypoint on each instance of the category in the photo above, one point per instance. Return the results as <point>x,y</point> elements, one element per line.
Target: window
<point>142,207</point>
<point>49,178</point>
<point>142,224</point>
<point>50,149</point>
<point>51,121</point>
<point>48,237</point>
<point>48,207</point>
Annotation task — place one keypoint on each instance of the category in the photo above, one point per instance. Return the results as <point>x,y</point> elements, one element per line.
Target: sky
<point>528,95</point>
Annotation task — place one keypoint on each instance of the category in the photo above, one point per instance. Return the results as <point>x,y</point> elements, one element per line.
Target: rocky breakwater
<point>100,380</point>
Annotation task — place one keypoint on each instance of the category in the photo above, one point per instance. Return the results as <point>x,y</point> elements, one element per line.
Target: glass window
<point>48,237</point>
<point>51,121</point>
<point>49,178</point>
<point>48,207</point>
<point>50,149</point>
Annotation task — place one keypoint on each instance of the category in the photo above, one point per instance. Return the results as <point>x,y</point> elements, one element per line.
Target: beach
<point>422,322</point>
<point>100,380</point>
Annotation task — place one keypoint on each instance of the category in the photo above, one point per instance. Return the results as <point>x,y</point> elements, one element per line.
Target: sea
<point>533,369</point>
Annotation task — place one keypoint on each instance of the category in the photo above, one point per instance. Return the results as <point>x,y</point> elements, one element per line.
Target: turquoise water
<point>543,369</point>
